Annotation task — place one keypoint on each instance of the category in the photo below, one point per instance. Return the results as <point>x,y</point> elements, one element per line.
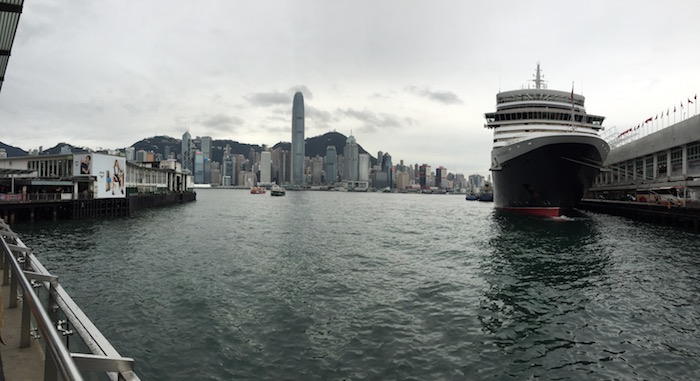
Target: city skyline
<point>415,83</point>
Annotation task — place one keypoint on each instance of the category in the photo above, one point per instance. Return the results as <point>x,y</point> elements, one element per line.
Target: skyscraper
<point>424,176</point>
<point>186,149</point>
<point>316,170</point>
<point>298,144</point>
<point>363,167</point>
<point>266,167</point>
<point>198,167</point>
<point>351,153</point>
<point>331,165</point>
<point>441,177</point>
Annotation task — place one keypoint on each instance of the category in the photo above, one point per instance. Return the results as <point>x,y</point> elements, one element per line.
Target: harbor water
<point>374,286</point>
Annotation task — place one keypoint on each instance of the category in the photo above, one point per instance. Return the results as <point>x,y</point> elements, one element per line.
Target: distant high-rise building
<point>331,165</point>
<point>475,182</point>
<point>198,167</point>
<point>402,180</point>
<point>130,153</point>
<point>285,167</point>
<point>298,143</point>
<point>441,177</point>
<point>215,173</point>
<point>424,176</point>
<point>186,152</point>
<point>206,146</point>
<point>316,170</point>
<point>265,167</point>
<point>387,167</point>
<point>141,156</point>
<point>351,153</point>
<point>363,163</point>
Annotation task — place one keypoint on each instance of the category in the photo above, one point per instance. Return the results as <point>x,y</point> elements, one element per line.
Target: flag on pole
<point>657,117</point>
<point>572,93</point>
<point>689,101</point>
<point>648,120</point>
<point>669,109</point>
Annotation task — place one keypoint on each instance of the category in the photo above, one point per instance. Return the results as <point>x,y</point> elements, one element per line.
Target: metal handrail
<point>60,354</point>
<point>104,357</point>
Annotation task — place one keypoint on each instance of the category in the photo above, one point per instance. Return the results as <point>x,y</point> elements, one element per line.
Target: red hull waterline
<point>538,211</point>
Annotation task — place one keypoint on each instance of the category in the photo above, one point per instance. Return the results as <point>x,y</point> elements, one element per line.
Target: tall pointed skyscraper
<point>298,143</point>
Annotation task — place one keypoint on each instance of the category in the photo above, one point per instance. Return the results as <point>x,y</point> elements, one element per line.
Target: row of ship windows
<point>538,115</point>
<point>537,97</point>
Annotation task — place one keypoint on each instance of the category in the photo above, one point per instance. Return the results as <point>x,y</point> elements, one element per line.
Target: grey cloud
<point>318,115</point>
<point>444,97</point>
<point>221,122</point>
<point>276,98</point>
<point>268,99</point>
<point>373,120</point>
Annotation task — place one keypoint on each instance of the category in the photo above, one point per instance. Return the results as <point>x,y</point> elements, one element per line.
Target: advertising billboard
<point>109,171</point>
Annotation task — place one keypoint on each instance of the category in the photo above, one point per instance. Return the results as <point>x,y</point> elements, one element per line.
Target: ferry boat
<point>277,191</point>
<point>546,149</point>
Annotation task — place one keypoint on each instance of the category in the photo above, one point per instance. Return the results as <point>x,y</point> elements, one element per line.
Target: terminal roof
<point>9,18</point>
<point>9,171</point>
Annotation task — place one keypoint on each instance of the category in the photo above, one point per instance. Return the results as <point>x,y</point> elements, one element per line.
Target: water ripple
<point>325,285</point>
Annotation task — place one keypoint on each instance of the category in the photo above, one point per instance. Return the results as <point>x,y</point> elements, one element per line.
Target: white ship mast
<point>539,79</point>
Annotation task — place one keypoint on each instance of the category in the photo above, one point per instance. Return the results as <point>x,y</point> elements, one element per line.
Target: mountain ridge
<point>315,146</point>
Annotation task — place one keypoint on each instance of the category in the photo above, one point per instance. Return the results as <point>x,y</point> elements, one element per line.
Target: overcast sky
<point>412,78</point>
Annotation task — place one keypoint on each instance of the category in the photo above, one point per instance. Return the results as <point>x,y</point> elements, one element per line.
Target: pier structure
<point>654,178</point>
<point>668,157</point>
<point>47,336</point>
<point>87,185</point>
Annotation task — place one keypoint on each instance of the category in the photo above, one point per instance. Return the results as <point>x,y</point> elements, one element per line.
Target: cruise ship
<point>546,149</point>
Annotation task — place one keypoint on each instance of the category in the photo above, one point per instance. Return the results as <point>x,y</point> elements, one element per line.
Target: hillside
<point>314,146</point>
<point>13,151</point>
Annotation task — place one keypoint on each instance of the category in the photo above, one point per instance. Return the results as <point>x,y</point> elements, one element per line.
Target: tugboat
<point>486,193</point>
<point>546,149</point>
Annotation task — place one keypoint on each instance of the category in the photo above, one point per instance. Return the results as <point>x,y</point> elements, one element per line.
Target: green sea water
<point>374,286</point>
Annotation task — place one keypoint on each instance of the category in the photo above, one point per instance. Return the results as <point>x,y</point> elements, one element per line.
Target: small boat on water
<point>486,193</point>
<point>257,190</point>
<point>277,191</point>
<point>472,197</point>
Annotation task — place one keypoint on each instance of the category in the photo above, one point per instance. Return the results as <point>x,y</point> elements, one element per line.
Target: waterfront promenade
<point>48,337</point>
<point>26,364</point>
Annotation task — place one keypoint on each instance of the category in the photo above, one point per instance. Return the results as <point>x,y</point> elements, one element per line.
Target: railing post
<point>5,271</point>
<point>50,370</point>
<point>13,288</point>
<point>24,341</point>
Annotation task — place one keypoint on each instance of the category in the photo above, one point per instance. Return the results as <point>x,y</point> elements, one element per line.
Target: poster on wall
<point>82,165</point>
<point>110,173</point>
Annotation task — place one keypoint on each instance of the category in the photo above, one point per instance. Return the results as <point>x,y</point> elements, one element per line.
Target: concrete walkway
<point>18,364</point>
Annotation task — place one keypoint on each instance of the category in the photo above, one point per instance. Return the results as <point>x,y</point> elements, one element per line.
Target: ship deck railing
<point>72,347</point>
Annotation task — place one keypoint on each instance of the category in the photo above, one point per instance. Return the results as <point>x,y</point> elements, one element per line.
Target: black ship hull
<point>546,176</point>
